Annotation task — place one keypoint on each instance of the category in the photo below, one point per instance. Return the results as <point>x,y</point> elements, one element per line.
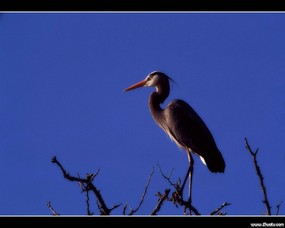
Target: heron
<point>183,125</point>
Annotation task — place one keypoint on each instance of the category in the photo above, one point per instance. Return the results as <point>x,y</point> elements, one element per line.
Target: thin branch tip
<point>86,185</point>
<point>161,199</point>
<point>218,210</point>
<point>278,207</point>
<point>51,208</point>
<point>144,193</point>
<point>260,176</point>
<point>53,159</point>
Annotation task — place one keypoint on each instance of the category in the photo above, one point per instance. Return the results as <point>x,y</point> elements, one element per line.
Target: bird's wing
<point>187,128</point>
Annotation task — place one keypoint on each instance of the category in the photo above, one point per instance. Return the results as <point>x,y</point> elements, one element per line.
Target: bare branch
<point>91,176</point>
<point>86,186</point>
<point>162,198</point>
<point>51,208</point>
<point>177,197</point>
<point>167,177</point>
<point>105,210</point>
<point>144,193</point>
<point>125,208</point>
<point>87,204</point>
<point>222,213</point>
<point>260,176</point>
<point>217,211</point>
<point>278,207</point>
<point>115,206</point>
<point>99,207</point>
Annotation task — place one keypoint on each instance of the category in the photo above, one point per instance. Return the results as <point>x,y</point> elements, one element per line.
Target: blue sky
<point>62,77</point>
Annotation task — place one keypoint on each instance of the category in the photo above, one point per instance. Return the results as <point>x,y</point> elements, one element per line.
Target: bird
<point>182,124</point>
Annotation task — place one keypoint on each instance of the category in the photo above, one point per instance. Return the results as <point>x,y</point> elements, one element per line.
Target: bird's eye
<point>149,78</point>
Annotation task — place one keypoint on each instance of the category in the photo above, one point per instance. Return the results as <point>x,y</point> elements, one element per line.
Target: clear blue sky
<point>62,78</point>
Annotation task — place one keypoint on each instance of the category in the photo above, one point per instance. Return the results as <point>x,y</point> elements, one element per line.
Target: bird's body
<point>187,130</point>
<point>182,123</point>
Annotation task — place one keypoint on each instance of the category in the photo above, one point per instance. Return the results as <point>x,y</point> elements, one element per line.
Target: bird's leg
<point>185,179</point>
<point>191,170</point>
<point>189,175</point>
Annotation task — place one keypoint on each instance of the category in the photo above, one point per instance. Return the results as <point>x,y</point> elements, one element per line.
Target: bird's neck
<point>162,91</point>
<point>154,102</point>
<point>157,98</point>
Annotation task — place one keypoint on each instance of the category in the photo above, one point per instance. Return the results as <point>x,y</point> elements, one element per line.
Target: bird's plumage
<point>188,130</point>
<point>180,121</point>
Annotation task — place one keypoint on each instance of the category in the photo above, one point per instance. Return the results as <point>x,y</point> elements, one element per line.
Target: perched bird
<point>183,125</point>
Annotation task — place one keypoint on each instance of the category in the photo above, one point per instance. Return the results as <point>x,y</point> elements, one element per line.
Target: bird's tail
<point>214,161</point>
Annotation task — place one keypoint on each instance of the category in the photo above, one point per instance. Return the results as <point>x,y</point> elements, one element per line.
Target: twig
<point>115,206</point>
<point>167,177</point>
<point>162,198</point>
<point>87,204</point>
<point>85,188</point>
<point>260,176</point>
<point>99,207</point>
<point>104,210</point>
<point>143,195</point>
<point>177,195</point>
<point>125,208</point>
<point>215,212</point>
<point>51,208</point>
<point>278,207</point>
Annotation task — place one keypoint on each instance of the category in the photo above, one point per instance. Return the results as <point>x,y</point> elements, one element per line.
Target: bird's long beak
<point>137,85</point>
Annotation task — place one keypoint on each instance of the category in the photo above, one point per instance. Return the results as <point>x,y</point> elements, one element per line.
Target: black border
<point>168,221</point>
<point>141,5</point>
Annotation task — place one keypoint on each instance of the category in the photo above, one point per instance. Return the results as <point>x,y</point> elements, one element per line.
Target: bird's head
<point>154,79</point>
